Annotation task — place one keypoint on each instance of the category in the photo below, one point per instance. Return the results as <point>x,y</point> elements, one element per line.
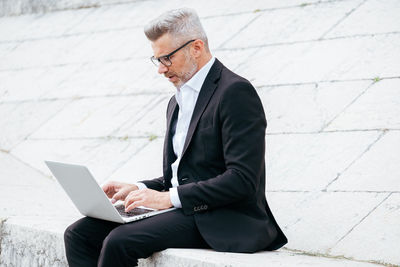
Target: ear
<point>197,48</point>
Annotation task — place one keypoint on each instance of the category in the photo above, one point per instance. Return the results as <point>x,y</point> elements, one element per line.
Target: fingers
<point>109,191</point>
<point>123,192</point>
<point>120,195</point>
<point>133,197</point>
<point>135,204</point>
<point>110,188</point>
<point>117,190</point>
<point>148,198</point>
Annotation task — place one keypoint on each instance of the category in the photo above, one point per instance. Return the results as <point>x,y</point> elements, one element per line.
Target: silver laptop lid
<point>84,191</point>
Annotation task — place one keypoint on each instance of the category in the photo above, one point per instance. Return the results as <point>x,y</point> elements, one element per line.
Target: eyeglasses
<point>166,59</point>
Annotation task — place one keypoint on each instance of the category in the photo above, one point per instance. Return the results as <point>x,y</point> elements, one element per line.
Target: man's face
<point>183,67</point>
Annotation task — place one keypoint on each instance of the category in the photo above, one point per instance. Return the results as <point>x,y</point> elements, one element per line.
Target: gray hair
<point>182,24</point>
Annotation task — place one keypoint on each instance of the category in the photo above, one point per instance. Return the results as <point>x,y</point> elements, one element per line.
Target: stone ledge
<point>19,7</point>
<point>42,245</point>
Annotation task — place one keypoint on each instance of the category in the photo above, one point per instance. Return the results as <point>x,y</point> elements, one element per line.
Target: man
<point>213,163</point>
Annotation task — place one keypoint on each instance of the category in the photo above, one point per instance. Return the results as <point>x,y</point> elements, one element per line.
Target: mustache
<point>169,74</point>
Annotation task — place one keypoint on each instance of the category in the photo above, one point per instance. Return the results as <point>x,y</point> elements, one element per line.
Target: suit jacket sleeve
<point>242,123</point>
<point>155,184</point>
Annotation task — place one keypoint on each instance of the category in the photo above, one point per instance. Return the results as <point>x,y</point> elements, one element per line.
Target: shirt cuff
<point>140,185</point>
<point>173,194</point>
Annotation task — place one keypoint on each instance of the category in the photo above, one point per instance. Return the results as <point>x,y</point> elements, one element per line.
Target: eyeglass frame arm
<point>152,58</point>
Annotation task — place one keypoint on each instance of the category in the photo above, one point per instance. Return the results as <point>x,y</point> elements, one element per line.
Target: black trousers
<point>94,242</point>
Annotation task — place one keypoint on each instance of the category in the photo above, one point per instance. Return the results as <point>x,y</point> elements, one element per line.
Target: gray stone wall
<point>77,86</point>
<point>19,7</point>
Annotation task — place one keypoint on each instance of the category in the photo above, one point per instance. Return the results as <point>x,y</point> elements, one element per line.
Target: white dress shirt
<point>186,97</point>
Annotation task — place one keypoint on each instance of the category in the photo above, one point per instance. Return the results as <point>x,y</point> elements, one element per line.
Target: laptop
<point>90,199</point>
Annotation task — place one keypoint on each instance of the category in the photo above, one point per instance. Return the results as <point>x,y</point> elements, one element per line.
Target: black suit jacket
<point>221,174</point>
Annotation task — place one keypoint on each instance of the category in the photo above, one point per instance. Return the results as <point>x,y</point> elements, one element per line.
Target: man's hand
<point>118,191</point>
<point>148,198</point>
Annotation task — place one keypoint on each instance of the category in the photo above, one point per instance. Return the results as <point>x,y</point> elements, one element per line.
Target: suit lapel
<point>172,115</point>
<point>206,92</point>
<point>171,111</point>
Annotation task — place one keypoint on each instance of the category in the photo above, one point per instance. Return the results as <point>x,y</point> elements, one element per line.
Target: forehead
<point>162,45</point>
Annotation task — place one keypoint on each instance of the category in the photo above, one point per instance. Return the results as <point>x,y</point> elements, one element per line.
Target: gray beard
<point>186,76</point>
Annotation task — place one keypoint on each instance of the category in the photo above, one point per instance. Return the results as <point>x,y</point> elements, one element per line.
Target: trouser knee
<point>123,251</point>
<point>68,234</point>
<point>72,235</point>
<point>114,244</point>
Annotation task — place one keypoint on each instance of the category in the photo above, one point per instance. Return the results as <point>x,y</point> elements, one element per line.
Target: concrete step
<point>40,243</point>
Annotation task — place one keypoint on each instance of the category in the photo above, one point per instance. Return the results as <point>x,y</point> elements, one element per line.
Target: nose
<point>162,68</point>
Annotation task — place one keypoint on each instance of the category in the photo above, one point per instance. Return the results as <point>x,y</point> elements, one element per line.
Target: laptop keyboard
<point>136,211</point>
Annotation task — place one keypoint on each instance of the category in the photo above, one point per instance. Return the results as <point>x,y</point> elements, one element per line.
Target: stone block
<point>311,161</point>
<point>328,60</point>
<point>285,206</point>
<point>130,77</point>
<point>42,53</point>
<point>151,124</point>
<point>18,7</point>
<point>107,18</point>
<point>20,120</point>
<point>14,172</point>
<point>93,79</point>
<point>30,203</point>
<point>144,165</point>
<point>53,24</point>
<point>329,215</point>
<point>6,50</point>
<point>378,108</point>
<point>113,119</point>
<point>377,233</point>
<point>13,28</point>
<point>101,156</point>
<point>292,24</point>
<point>134,45</point>
<point>205,8</point>
<point>126,14</point>
<point>48,250</point>
<point>150,81</point>
<point>94,117</point>
<point>223,7</point>
<point>209,258</point>
<point>34,84</point>
<point>312,106</point>
<point>110,45</point>
<point>93,47</point>
<point>20,249</point>
<point>26,192</point>
<point>219,32</point>
<point>373,16</point>
<point>378,169</point>
<point>3,89</point>
<point>14,84</point>
<point>234,59</point>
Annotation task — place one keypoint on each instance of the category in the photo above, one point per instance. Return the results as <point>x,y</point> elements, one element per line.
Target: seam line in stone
<point>362,219</point>
<point>355,160</point>
<point>346,107</point>
<point>342,19</point>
